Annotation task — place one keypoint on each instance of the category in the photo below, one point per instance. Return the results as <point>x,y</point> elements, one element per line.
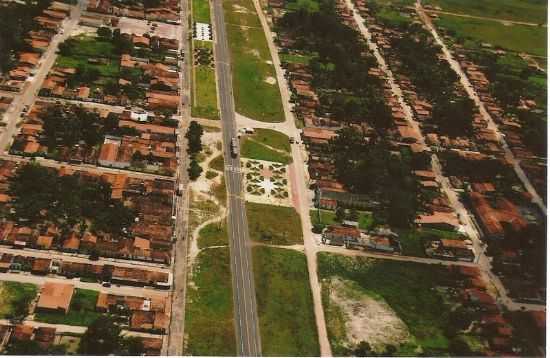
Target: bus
<point>234,147</point>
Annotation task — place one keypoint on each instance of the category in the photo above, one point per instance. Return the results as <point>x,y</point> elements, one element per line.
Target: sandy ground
<point>368,319</point>
<point>271,80</point>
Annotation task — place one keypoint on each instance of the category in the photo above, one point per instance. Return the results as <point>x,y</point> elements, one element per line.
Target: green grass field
<point>518,38</point>
<point>205,100</point>
<point>413,240</point>
<point>217,163</point>
<point>272,138</point>
<point>111,69</point>
<point>271,224</point>
<point>256,150</point>
<point>285,305</point>
<point>412,290</point>
<point>92,47</point>
<point>518,10</point>
<point>209,308</point>
<point>327,217</point>
<point>213,235</point>
<point>82,311</point>
<point>15,298</point>
<point>251,64</point>
<point>201,11</point>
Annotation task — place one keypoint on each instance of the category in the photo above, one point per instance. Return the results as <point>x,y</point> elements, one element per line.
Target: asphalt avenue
<point>244,295</point>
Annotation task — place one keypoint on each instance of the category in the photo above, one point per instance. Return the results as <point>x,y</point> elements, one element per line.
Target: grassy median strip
<point>209,308</point>
<point>287,322</point>
<point>82,311</point>
<point>205,100</point>
<point>254,80</point>
<point>271,224</point>
<point>15,298</point>
<point>201,11</point>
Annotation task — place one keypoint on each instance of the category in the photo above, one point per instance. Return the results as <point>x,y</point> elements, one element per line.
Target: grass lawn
<point>285,304</point>
<point>15,298</point>
<point>92,47</point>
<point>272,138</point>
<point>277,225</point>
<point>217,163</point>
<point>213,235</point>
<point>209,308</point>
<point>201,11</point>
<point>81,312</point>
<point>251,64</point>
<point>111,69</point>
<point>518,38</point>
<point>518,10</point>
<point>205,101</point>
<point>408,288</point>
<point>328,217</point>
<point>294,58</point>
<point>256,150</point>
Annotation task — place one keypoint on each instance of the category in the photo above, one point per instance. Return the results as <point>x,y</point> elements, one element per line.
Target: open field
<point>278,225</point>
<point>518,38</point>
<point>15,298</point>
<point>255,87</point>
<point>205,100</point>
<point>213,235</point>
<point>201,11</point>
<point>82,311</point>
<point>256,150</point>
<point>516,10</point>
<point>209,308</point>
<point>272,138</point>
<point>416,293</point>
<point>285,307</point>
<point>328,217</point>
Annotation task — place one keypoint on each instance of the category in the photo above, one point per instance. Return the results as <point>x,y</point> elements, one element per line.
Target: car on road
<point>291,140</point>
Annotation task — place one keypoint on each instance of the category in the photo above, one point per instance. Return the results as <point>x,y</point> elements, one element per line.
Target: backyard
<point>15,298</point>
<point>255,87</point>
<point>82,311</point>
<point>285,306</point>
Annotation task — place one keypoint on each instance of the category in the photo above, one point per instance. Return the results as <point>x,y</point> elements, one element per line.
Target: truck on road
<point>234,147</point>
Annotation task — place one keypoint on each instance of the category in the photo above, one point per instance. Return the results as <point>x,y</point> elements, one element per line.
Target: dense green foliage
<point>15,298</point>
<point>17,20</point>
<point>370,168</point>
<point>194,147</point>
<point>340,68</point>
<point>40,194</point>
<point>103,337</point>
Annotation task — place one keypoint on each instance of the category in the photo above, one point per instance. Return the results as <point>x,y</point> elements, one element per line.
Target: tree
<point>32,348</point>
<point>102,338</point>
<point>340,214</point>
<point>193,135</point>
<point>194,170</point>
<point>363,349</point>
<point>131,346</point>
<point>105,32</point>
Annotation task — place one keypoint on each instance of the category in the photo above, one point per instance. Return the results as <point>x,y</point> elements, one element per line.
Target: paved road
<point>244,295</point>
<point>174,343</point>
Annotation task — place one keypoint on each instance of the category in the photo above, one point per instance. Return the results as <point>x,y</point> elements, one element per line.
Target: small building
<point>55,297</point>
<point>340,235</point>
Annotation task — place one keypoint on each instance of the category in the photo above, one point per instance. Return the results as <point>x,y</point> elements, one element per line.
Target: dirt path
<point>502,21</point>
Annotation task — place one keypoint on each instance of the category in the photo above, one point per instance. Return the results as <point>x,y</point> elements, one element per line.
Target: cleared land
<point>82,311</point>
<point>516,10</point>
<point>255,87</point>
<point>277,225</point>
<point>15,298</point>
<point>209,308</point>
<point>517,38</point>
<point>422,296</point>
<point>285,306</point>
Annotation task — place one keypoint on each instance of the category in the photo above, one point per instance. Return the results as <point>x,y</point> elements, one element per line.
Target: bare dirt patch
<point>271,80</point>
<point>367,319</point>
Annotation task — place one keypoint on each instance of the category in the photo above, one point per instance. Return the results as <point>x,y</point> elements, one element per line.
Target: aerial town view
<point>273,177</point>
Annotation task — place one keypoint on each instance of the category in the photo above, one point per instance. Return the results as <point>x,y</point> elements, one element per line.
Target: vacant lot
<point>15,298</point>
<point>252,149</point>
<point>328,217</point>
<point>255,88</point>
<point>209,309</point>
<point>278,225</point>
<point>518,38</point>
<point>415,292</point>
<point>213,235</point>
<point>285,306</point>
<point>205,100</point>
<point>82,311</point>
<point>518,10</point>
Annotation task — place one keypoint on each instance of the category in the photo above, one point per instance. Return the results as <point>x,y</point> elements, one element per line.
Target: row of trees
<point>41,194</point>
<point>340,65</point>
<point>194,147</point>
